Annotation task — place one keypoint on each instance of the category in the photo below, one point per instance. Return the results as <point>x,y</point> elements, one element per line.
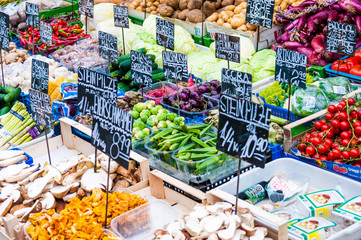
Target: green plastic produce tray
<point>317,70</point>
<point>136,20</point>
<point>207,41</point>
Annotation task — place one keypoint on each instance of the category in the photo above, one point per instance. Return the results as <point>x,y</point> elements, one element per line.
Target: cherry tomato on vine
<point>335,145</point>
<point>343,116</point>
<point>329,116</point>
<point>329,142</point>
<point>345,142</point>
<point>310,150</point>
<point>316,141</point>
<point>344,125</point>
<point>345,135</point>
<point>345,154</point>
<point>332,109</point>
<point>358,131</point>
<point>302,147</point>
<point>318,125</point>
<point>351,101</point>
<point>336,153</point>
<point>354,153</point>
<point>335,123</point>
<point>323,158</point>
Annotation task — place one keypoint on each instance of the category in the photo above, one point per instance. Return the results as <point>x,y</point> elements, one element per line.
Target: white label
<point>310,102</point>
<point>339,90</point>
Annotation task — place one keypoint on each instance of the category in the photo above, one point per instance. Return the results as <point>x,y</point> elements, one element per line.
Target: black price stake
<point>260,12</point>
<point>141,68</point>
<point>40,75</point>
<point>32,18</point>
<point>341,39</point>
<point>86,8</point>
<point>237,84</point>
<point>165,33</point>
<point>112,134</point>
<point>243,131</point>
<point>290,69</point>
<point>4,40</point>
<point>46,33</point>
<point>227,47</point>
<point>121,19</point>
<point>108,46</point>
<point>41,112</point>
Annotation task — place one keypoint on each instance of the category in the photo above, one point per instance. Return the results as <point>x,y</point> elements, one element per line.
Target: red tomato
<point>329,116</point>
<point>323,158</point>
<point>354,142</point>
<point>356,124</point>
<point>358,165</point>
<point>316,156</point>
<point>336,131</point>
<point>318,125</point>
<point>330,156</point>
<point>345,142</point>
<point>325,127</point>
<point>320,134</point>
<point>359,114</point>
<point>345,155</point>
<point>330,134</point>
<point>323,149</point>
<point>356,70</point>
<point>316,141</point>
<point>332,109</point>
<point>351,101</point>
<point>302,147</point>
<point>329,142</point>
<point>353,113</point>
<point>323,121</point>
<point>335,123</point>
<point>336,153</point>
<point>344,125</point>
<point>340,107</point>
<point>343,102</point>
<point>335,145</point>
<point>354,153</point>
<point>345,65</point>
<point>358,56</point>
<point>310,150</point>
<point>343,116</point>
<point>358,131</point>
<point>345,135</point>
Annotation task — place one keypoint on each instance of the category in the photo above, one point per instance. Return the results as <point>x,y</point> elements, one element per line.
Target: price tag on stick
<point>341,38</point>
<point>86,7</point>
<point>41,112</point>
<point>32,14</point>
<point>244,129</point>
<point>40,75</point>
<point>46,33</point>
<point>237,84</point>
<point>121,18</point>
<point>227,47</point>
<point>175,66</point>
<point>291,67</point>
<point>165,33</point>
<point>4,31</point>
<point>260,12</point>
<point>108,46</point>
<point>92,83</point>
<point>141,68</point>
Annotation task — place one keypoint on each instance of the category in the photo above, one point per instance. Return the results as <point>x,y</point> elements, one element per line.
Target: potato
<point>236,22</point>
<point>161,1</point>
<point>165,11</point>
<point>251,26</point>
<point>283,5</point>
<point>227,25</point>
<point>238,9</point>
<point>225,17</point>
<point>149,4</point>
<point>183,14</point>
<point>278,2</point>
<point>194,4</point>
<point>153,8</point>
<point>220,21</point>
<point>242,28</point>
<point>218,3</point>
<point>175,14</point>
<point>172,3</point>
<point>230,13</point>
<point>147,10</point>
<point>227,2</point>
<point>213,17</point>
<point>156,4</point>
<point>229,8</point>
<point>142,4</point>
<point>126,4</point>
<point>140,9</point>
<point>243,5</point>
<point>183,4</point>
<point>195,16</point>
<point>237,2</point>
<point>209,8</point>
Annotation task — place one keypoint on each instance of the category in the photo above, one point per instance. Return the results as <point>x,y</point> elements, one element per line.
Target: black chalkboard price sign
<point>227,47</point>
<point>40,75</point>
<point>41,108</point>
<point>112,130</point>
<point>86,8</point>
<point>121,18</point>
<point>260,12</point>
<point>341,38</point>
<point>175,66</point>
<point>46,33</point>
<point>141,68</point>
<point>4,31</point>
<point>237,84</point>
<point>92,83</point>
<point>244,128</point>
<point>165,33</point>
<point>32,14</point>
<point>108,46</point>
<point>291,67</point>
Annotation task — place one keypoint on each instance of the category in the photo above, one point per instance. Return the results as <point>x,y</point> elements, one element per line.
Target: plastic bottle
<point>255,193</point>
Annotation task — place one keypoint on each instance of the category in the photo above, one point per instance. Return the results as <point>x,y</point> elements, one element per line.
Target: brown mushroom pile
<point>213,222</point>
<point>26,189</point>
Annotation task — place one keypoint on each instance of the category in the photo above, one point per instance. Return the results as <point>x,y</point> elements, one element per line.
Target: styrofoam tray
<point>318,179</point>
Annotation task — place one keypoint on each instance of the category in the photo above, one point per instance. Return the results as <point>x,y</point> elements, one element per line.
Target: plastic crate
<point>277,151</point>
<point>29,161</point>
<point>25,99</point>
<point>207,41</point>
<point>136,20</point>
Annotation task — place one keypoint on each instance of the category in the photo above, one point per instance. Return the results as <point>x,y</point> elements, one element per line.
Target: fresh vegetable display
<point>121,71</point>
<point>351,65</point>
<point>335,138</point>
<point>275,134</point>
<point>14,54</point>
<point>129,100</point>
<point>158,90</point>
<point>12,157</point>
<point>154,116</point>
<point>8,98</point>
<point>306,28</point>
<point>274,94</point>
<point>211,89</point>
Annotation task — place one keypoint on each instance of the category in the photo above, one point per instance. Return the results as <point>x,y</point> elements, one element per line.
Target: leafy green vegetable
<point>263,64</point>
<point>335,88</point>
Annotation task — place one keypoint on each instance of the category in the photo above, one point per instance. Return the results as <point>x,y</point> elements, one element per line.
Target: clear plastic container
<point>165,156</point>
<point>191,115</point>
<point>154,86</point>
<point>140,144</point>
<point>140,223</point>
<point>50,49</point>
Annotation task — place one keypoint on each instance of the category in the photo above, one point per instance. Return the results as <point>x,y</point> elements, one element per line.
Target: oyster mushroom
<point>213,224</point>
<point>48,201</point>
<point>193,227</point>
<point>230,230</point>
<point>91,180</point>
<point>21,212</point>
<point>248,219</point>
<point>249,230</point>
<point>73,176</point>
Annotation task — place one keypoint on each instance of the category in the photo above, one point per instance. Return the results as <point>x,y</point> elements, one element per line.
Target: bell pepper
<point>358,56</point>
<point>356,70</point>
<point>345,65</point>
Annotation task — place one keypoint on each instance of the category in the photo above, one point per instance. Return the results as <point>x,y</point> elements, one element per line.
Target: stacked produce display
<point>191,173</point>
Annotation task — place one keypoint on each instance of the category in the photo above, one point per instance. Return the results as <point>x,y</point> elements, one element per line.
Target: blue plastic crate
<point>277,151</point>
<point>30,160</point>
<point>25,99</point>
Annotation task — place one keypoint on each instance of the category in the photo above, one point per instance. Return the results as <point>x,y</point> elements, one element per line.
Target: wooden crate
<point>80,146</point>
<point>277,227</point>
